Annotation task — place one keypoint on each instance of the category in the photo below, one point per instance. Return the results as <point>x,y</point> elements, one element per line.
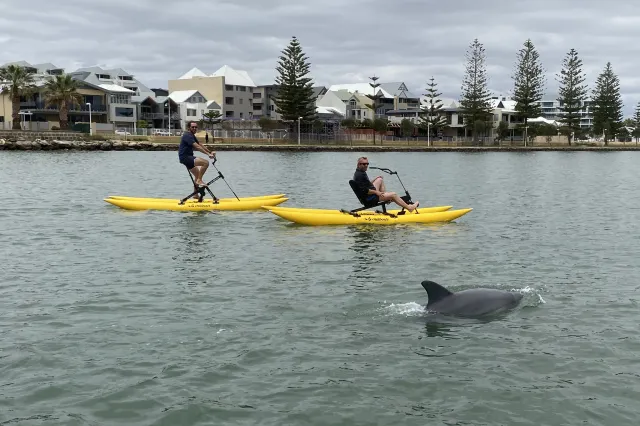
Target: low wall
<point>120,145</point>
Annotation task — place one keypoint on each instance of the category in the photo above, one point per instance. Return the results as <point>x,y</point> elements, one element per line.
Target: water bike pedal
<point>200,191</point>
<point>407,199</point>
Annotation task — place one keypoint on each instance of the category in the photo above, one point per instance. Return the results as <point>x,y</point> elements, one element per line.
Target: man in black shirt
<point>375,191</point>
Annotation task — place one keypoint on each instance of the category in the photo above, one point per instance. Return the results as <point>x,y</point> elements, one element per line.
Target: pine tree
<point>636,123</point>
<point>529,82</point>
<point>572,93</point>
<point>607,104</point>
<point>295,92</point>
<point>375,103</point>
<point>432,117</point>
<point>475,101</point>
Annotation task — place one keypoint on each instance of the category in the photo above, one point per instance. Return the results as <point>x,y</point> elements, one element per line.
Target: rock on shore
<point>107,145</point>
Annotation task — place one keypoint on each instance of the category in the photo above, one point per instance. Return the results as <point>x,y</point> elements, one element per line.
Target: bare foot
<point>413,206</point>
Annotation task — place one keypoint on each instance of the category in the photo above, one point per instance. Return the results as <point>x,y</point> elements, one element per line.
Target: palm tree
<point>17,82</point>
<point>63,92</point>
<point>212,117</point>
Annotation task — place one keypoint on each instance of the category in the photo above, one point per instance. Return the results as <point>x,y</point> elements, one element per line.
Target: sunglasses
<point>364,164</point>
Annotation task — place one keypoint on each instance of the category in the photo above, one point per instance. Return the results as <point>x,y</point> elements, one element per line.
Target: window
<point>228,87</point>
<point>241,115</point>
<point>120,99</point>
<point>191,112</point>
<point>124,112</point>
<point>352,103</point>
<point>257,95</point>
<point>228,100</point>
<point>241,88</point>
<point>229,114</point>
<point>257,107</point>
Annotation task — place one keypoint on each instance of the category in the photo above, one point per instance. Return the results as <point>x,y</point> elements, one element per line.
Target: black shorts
<point>189,161</point>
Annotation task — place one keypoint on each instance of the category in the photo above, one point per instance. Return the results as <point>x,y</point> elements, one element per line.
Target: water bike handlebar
<point>391,172</point>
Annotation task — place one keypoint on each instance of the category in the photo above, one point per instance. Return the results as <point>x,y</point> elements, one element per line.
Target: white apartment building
<point>552,110</point>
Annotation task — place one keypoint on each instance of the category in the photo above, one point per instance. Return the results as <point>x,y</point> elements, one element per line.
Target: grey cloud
<point>407,40</point>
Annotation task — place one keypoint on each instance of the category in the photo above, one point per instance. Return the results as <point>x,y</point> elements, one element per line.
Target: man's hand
<point>212,155</point>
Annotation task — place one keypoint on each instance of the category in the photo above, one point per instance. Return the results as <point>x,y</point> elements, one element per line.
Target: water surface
<point>166,318</point>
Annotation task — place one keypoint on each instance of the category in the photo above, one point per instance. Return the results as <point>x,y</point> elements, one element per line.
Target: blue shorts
<point>372,199</point>
<point>189,161</point>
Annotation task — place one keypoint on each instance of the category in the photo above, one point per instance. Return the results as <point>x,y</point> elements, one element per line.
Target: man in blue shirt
<point>197,166</point>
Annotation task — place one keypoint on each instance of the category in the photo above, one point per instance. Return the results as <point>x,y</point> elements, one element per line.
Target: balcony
<point>159,116</point>
<point>41,106</point>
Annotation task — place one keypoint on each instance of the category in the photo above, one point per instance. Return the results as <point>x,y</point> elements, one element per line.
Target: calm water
<point>110,317</point>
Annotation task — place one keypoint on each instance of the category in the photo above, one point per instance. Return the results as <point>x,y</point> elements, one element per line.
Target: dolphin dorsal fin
<point>435,291</point>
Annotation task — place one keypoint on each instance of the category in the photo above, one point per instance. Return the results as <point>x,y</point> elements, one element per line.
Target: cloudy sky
<point>346,41</point>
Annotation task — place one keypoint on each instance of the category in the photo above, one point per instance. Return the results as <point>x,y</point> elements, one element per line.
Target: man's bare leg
<point>378,183</point>
<point>392,196</point>
<point>200,168</point>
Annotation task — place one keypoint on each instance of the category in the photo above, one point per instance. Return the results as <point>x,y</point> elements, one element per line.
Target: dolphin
<point>469,303</point>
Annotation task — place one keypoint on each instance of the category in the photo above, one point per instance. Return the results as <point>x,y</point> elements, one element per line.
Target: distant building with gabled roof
<point>231,89</point>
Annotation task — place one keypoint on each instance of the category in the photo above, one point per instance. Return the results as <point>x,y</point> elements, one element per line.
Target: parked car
<point>122,132</point>
<point>161,132</point>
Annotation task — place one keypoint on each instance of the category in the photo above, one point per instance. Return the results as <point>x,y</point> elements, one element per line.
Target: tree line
<point>295,98</point>
<point>528,90</point>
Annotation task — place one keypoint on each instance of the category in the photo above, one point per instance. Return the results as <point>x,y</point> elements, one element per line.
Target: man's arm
<point>201,148</point>
<point>364,183</point>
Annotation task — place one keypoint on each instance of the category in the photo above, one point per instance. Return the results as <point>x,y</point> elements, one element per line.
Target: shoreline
<point>333,146</point>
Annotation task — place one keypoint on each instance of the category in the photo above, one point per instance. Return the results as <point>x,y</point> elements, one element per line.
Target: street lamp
<point>90,129</point>
<point>299,118</point>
